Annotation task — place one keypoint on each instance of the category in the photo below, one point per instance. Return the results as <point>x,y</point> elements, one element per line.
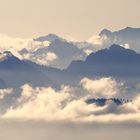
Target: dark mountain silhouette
<point>103,101</point>
<point>11,63</point>
<point>115,61</point>
<point>15,72</point>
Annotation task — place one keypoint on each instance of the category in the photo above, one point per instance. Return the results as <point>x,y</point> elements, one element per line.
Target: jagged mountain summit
<point>128,35</point>
<point>64,51</point>
<point>10,62</point>
<point>49,37</point>
<point>5,55</point>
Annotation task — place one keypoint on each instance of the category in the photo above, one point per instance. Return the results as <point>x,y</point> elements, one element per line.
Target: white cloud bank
<point>98,40</point>
<point>101,88</point>
<point>48,104</point>
<point>17,44</point>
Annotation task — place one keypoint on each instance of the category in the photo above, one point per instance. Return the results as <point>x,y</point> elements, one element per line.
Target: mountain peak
<point>8,54</point>
<point>116,47</point>
<point>105,32</point>
<point>124,31</point>
<point>113,61</point>
<point>116,50</point>
<point>50,37</point>
<point>129,28</point>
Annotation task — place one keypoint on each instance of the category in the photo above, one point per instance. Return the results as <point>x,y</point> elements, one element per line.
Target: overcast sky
<point>78,19</point>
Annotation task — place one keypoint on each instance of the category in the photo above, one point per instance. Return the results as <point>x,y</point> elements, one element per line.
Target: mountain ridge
<point>115,60</point>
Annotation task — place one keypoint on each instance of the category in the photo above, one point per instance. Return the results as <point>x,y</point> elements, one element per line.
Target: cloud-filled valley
<point>64,104</point>
<point>51,87</point>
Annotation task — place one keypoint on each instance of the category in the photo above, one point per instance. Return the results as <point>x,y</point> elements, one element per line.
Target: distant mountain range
<point>74,62</point>
<point>66,51</point>
<point>115,61</point>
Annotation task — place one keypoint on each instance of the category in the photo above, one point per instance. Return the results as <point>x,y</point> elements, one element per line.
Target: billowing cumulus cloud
<point>49,104</point>
<point>98,88</point>
<point>45,58</point>
<point>17,44</point>
<point>41,103</point>
<point>51,56</point>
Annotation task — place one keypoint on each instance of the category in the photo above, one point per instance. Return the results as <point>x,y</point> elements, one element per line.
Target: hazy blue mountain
<point>113,61</point>
<point>12,63</point>
<point>15,72</point>
<point>49,37</point>
<point>127,35</point>
<point>106,32</point>
<point>65,51</point>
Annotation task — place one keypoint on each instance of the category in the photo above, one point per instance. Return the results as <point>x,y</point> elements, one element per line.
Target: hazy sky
<point>69,18</point>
